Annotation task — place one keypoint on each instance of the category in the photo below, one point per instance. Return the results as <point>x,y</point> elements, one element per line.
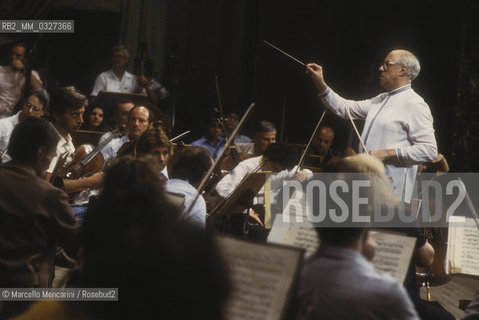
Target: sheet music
<point>262,276</point>
<point>393,253</point>
<point>297,234</point>
<point>463,247</point>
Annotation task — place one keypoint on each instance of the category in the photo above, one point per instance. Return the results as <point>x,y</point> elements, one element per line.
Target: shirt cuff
<point>325,93</point>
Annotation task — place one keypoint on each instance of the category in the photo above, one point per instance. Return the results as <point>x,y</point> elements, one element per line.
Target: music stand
<point>241,198</point>
<point>87,137</point>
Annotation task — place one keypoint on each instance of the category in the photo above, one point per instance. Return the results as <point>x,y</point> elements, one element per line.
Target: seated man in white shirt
<point>13,79</point>
<point>35,104</point>
<point>66,108</point>
<point>279,158</point>
<point>139,119</point>
<point>117,79</point>
<point>188,168</point>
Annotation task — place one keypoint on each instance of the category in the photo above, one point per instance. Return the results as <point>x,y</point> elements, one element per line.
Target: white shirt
<point>104,136</point>
<point>62,147</point>
<point>229,182</point>
<point>6,128</point>
<point>108,81</point>
<point>399,120</point>
<point>111,149</point>
<point>11,88</point>
<point>245,147</point>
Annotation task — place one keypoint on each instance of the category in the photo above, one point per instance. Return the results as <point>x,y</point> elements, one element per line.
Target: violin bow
<point>283,116</point>
<point>182,135</point>
<point>220,106</point>
<point>305,151</point>
<point>357,132</point>
<point>230,140</point>
<point>4,152</point>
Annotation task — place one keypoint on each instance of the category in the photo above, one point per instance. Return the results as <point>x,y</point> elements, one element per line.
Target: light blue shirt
<point>197,214</point>
<point>215,150</point>
<point>339,283</point>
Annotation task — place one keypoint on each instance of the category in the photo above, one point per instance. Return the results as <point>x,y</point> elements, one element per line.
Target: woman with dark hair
<point>93,118</point>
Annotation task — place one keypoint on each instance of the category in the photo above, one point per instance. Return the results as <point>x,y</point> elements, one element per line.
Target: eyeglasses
<point>28,106</point>
<point>386,65</point>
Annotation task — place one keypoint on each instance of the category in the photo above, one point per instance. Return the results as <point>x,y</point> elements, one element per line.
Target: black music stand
<point>240,199</point>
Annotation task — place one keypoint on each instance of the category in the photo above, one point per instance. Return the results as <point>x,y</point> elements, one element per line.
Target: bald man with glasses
<point>398,127</point>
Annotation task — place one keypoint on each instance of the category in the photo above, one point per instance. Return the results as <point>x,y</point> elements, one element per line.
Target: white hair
<point>412,63</point>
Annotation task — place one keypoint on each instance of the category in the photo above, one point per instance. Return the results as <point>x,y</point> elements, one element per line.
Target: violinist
<point>139,119</point>
<point>34,104</point>
<point>231,121</point>
<point>66,108</point>
<point>122,110</point>
<point>155,142</point>
<point>212,140</point>
<point>264,135</point>
<point>188,168</point>
<point>321,153</point>
<point>279,158</point>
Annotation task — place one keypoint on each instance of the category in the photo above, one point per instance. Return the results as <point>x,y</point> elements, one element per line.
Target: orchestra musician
<point>34,104</point>
<point>139,119</point>
<point>13,79</point>
<point>188,168</point>
<point>231,121</point>
<point>339,282</point>
<point>35,216</point>
<point>122,110</point>
<point>155,142</point>
<point>212,140</point>
<point>280,159</point>
<point>399,126</point>
<point>264,134</point>
<point>117,79</point>
<point>66,108</point>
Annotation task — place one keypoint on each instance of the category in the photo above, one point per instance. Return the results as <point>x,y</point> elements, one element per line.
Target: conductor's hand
<point>300,176</point>
<point>316,73</point>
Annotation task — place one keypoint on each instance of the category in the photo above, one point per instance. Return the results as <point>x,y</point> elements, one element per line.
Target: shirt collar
<point>400,89</point>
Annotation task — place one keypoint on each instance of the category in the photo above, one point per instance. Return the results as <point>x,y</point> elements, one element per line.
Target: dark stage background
<point>204,39</point>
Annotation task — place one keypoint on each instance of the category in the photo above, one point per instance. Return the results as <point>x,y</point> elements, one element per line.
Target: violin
<point>127,149</point>
<point>86,159</point>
